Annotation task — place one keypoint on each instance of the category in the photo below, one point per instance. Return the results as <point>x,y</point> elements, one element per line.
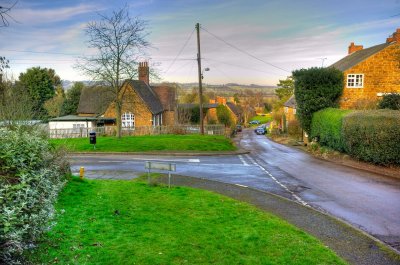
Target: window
<point>128,120</point>
<point>286,109</point>
<point>76,126</point>
<point>355,80</point>
<point>294,111</point>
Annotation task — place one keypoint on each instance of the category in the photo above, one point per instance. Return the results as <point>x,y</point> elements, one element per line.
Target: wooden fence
<point>218,129</point>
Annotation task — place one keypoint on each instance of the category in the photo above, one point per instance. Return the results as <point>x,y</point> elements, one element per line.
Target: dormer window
<point>355,80</point>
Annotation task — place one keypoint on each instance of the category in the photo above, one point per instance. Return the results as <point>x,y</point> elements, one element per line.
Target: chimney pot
<point>144,72</point>
<point>354,48</point>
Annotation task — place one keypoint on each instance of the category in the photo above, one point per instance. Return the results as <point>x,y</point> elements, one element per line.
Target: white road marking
<point>240,185</point>
<point>194,160</point>
<point>298,199</point>
<point>168,160</point>
<point>110,161</point>
<point>243,161</point>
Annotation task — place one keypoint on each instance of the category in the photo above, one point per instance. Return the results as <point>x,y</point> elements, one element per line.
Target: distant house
<point>370,73</point>
<point>289,109</point>
<point>142,105</point>
<point>235,111</point>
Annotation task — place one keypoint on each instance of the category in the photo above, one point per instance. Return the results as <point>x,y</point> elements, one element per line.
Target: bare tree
<point>4,14</point>
<point>120,40</point>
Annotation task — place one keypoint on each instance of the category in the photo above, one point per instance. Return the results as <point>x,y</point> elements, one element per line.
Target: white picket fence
<point>218,129</point>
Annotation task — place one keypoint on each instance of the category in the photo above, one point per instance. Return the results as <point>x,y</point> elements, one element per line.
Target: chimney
<point>354,48</point>
<point>394,37</point>
<point>144,72</point>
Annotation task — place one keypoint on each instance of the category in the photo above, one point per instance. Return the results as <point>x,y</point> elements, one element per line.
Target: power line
<point>179,53</point>
<point>243,51</point>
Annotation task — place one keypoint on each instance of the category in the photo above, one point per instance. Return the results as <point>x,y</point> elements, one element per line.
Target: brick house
<point>142,105</point>
<point>370,73</point>
<point>289,110</point>
<point>234,110</point>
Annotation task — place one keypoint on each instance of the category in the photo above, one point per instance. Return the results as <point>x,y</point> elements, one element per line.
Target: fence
<point>218,129</point>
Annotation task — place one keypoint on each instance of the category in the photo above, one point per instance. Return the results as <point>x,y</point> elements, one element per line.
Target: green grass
<point>262,119</point>
<point>157,225</point>
<point>149,143</point>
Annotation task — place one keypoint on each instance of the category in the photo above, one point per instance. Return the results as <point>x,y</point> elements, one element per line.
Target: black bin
<point>92,137</point>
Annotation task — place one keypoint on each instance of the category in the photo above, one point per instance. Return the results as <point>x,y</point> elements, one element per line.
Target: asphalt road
<point>368,201</point>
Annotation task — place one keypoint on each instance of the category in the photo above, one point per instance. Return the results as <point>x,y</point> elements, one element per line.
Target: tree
<point>15,102</point>
<point>40,84</point>
<point>54,105</point>
<point>316,89</point>
<point>5,16</point>
<point>224,115</point>
<point>285,89</point>
<point>119,40</point>
<point>72,97</point>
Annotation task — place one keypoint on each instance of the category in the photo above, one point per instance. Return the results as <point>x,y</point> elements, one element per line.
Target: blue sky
<point>285,33</point>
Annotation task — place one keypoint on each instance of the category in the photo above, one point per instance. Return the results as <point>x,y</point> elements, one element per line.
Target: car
<point>238,128</point>
<point>261,129</point>
<point>255,122</point>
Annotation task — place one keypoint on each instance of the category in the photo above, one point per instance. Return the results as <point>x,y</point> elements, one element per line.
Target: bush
<point>373,136</point>
<point>224,115</point>
<point>326,127</point>
<point>31,175</point>
<point>391,101</point>
<point>316,89</point>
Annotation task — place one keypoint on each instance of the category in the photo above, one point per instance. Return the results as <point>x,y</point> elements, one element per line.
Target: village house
<point>142,105</point>
<point>234,110</point>
<point>370,73</point>
<point>289,110</point>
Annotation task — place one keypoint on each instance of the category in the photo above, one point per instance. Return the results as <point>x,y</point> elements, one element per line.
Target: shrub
<point>316,89</point>
<point>391,101</point>
<point>224,115</point>
<point>364,104</point>
<point>373,136</point>
<point>326,126</point>
<point>31,175</point>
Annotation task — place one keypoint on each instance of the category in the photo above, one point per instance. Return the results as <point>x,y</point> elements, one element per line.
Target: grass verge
<point>129,222</point>
<point>148,143</point>
<point>262,119</point>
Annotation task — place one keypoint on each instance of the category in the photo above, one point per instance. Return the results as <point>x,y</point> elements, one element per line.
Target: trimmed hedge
<point>373,136</point>
<point>326,126</point>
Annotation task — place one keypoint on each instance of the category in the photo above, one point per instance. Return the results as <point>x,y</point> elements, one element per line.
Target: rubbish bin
<point>92,137</point>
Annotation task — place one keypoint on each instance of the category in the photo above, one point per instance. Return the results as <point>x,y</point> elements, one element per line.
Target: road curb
<point>351,243</point>
<point>206,153</point>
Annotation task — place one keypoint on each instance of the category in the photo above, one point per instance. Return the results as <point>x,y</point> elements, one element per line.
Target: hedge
<point>316,89</point>
<point>31,175</point>
<point>326,126</point>
<point>373,136</point>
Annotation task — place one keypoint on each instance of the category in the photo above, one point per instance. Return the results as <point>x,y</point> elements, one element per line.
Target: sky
<point>242,41</point>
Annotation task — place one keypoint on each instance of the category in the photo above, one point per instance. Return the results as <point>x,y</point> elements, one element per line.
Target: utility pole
<point>200,79</point>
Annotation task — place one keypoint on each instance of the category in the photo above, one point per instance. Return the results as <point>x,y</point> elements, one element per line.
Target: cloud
<point>36,16</point>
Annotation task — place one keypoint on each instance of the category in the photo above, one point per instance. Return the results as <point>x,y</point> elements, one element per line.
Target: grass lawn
<point>129,222</point>
<point>262,119</point>
<point>149,143</point>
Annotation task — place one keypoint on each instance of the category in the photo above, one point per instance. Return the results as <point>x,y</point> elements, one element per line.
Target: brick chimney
<point>354,48</point>
<point>221,100</point>
<point>144,72</point>
<point>394,37</point>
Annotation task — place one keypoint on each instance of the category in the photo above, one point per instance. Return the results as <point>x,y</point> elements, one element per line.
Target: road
<point>366,200</point>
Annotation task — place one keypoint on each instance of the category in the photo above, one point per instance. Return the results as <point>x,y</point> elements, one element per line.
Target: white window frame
<point>286,109</point>
<point>355,81</point>
<point>128,120</point>
<point>294,111</point>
